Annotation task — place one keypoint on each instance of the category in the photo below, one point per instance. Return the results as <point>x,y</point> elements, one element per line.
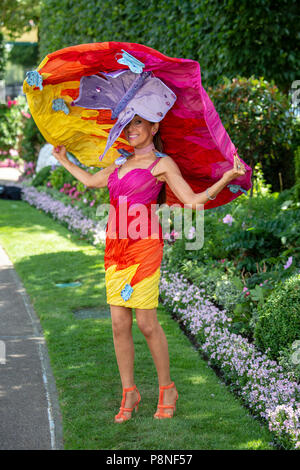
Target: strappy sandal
<point>161,414</point>
<point>121,415</point>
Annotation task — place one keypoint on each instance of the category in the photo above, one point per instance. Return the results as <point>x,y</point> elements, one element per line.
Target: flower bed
<point>261,383</point>
<point>73,217</point>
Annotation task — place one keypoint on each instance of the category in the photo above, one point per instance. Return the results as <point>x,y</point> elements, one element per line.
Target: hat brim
<point>192,131</point>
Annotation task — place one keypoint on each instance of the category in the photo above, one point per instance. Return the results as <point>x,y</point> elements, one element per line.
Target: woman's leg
<point>124,349</point>
<point>158,345</point>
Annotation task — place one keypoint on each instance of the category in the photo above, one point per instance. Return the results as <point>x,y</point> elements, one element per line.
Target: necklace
<point>144,150</point>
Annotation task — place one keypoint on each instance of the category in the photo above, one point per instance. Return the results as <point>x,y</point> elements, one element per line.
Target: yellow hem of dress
<point>145,293</point>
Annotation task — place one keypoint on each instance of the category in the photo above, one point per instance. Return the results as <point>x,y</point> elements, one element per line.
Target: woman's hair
<point>161,198</point>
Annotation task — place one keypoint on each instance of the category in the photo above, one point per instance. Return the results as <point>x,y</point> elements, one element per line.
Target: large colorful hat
<point>83,96</point>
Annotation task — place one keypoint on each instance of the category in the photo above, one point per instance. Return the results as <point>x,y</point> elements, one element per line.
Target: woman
<point>140,134</point>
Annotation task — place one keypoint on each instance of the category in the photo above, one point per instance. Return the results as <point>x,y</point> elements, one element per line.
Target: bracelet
<point>209,197</point>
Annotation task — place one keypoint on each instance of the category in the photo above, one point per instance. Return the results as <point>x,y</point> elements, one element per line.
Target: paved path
<point>29,411</point>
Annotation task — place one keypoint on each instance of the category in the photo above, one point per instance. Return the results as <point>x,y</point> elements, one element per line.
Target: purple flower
<point>261,383</point>
<point>288,263</point>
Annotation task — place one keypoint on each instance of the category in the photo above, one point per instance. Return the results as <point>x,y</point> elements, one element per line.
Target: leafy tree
<point>19,16</point>
<point>3,56</point>
<point>259,120</point>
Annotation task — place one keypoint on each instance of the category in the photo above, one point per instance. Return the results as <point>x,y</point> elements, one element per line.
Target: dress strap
<point>153,164</point>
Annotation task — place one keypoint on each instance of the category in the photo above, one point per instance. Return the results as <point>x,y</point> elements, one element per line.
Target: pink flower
<point>27,115</point>
<point>92,203</point>
<point>228,219</point>
<point>13,153</point>
<point>10,103</point>
<point>174,234</point>
<point>245,289</point>
<point>223,260</point>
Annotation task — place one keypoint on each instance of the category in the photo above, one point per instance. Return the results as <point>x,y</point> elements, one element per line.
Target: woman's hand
<point>60,153</point>
<point>237,170</point>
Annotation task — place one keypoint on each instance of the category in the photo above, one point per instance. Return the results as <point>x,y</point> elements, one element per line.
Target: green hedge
<point>297,174</point>
<point>42,176</point>
<point>3,57</point>
<point>278,324</point>
<point>227,37</point>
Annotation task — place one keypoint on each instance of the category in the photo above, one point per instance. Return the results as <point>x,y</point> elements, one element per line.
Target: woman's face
<point>139,131</point>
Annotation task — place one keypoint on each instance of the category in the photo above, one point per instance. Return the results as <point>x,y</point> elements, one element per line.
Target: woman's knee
<point>147,325</point>
<point>121,320</point>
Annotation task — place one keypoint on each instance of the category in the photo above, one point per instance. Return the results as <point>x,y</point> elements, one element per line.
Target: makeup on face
<point>138,127</point>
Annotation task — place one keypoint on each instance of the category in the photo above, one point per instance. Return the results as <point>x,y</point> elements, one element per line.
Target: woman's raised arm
<point>171,174</point>
<point>97,180</point>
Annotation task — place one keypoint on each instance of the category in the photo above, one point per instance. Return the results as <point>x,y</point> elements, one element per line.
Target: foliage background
<point>227,37</point>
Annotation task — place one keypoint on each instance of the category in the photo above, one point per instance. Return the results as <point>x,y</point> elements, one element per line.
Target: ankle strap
<point>130,389</point>
<point>165,387</point>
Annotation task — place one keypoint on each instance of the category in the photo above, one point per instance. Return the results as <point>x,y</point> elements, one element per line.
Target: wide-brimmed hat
<point>126,94</point>
<point>60,101</point>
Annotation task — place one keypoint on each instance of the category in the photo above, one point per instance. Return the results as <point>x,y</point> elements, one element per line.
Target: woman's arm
<point>96,180</point>
<point>171,174</point>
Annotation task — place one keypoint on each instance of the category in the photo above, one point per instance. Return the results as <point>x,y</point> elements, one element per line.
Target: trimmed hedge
<point>297,174</point>
<point>278,324</point>
<point>227,37</point>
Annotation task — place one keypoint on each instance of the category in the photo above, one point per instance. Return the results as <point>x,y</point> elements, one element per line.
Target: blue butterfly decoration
<point>60,105</point>
<point>120,160</point>
<point>234,188</point>
<point>33,78</point>
<point>126,292</point>
<point>124,154</point>
<point>159,154</point>
<point>135,65</point>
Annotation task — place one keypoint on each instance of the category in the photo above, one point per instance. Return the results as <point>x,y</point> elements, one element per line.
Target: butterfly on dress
<point>126,292</point>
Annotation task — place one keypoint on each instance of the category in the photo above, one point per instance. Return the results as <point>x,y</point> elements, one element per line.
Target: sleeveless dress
<point>134,240</point>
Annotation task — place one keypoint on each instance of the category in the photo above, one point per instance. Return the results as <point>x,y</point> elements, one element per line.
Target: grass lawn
<point>83,360</point>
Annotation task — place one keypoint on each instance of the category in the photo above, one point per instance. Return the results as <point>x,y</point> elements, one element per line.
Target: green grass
<point>83,360</point>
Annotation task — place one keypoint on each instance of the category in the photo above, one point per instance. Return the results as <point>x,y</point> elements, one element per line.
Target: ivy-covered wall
<point>227,37</point>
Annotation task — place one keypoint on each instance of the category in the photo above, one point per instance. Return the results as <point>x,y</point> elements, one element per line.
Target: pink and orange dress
<point>134,241</point>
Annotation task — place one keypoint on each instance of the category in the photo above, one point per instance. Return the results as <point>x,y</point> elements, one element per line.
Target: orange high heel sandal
<point>121,415</point>
<point>160,414</point>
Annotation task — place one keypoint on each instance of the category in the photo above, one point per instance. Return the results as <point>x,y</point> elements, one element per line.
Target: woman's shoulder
<point>164,165</point>
<point>167,162</point>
